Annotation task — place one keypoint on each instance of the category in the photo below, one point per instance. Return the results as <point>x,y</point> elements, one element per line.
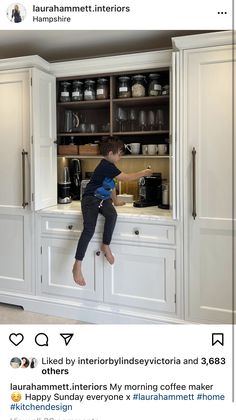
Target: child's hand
<point>119,203</point>
<point>148,172</point>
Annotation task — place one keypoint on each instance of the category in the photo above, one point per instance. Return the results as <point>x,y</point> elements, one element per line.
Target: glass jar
<point>166,90</point>
<point>154,87</point>
<point>124,87</point>
<point>77,90</point>
<point>102,89</point>
<point>65,92</point>
<point>89,90</point>
<point>138,86</point>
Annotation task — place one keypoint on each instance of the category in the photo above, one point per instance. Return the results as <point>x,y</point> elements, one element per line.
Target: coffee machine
<point>75,176</point>
<point>64,186</point>
<point>150,191</point>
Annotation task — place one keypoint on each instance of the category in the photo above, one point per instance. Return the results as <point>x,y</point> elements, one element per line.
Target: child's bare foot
<point>77,273</point>
<point>107,253</point>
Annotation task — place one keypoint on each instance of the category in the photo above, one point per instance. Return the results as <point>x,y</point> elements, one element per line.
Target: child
<point>98,197</point>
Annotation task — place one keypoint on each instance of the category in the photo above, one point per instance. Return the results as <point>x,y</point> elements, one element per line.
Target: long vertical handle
<point>194,213</point>
<point>24,202</point>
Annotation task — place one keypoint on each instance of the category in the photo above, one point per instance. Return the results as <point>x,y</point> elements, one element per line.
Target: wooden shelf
<point>123,157</point>
<point>116,133</point>
<point>139,133</point>
<point>102,103</point>
<point>76,134</point>
<point>149,100</point>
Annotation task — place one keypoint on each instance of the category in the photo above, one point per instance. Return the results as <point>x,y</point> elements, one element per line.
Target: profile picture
<point>15,362</point>
<point>16,12</point>
<point>33,362</point>
<point>24,362</point>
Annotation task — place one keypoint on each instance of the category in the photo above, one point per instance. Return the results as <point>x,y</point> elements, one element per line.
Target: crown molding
<point>24,62</point>
<point>109,64</point>
<point>211,39</point>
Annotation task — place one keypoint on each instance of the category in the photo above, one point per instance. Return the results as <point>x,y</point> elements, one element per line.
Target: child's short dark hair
<point>110,144</point>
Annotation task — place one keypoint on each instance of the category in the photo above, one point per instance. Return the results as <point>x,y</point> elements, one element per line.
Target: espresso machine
<point>150,191</point>
<point>75,176</point>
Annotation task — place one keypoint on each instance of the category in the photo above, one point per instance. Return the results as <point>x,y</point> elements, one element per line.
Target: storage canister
<point>89,90</point>
<point>65,92</point>
<point>102,91</point>
<point>154,87</point>
<point>77,90</point>
<point>166,90</point>
<point>124,87</point>
<point>138,86</point>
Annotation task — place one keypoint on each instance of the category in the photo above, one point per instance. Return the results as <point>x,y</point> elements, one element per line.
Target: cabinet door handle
<point>98,253</point>
<point>194,213</point>
<point>70,227</point>
<point>136,232</point>
<point>24,202</point>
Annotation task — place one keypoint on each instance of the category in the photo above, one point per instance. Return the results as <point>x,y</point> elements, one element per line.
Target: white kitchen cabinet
<point>207,132</point>
<point>15,223</point>
<point>27,127</point>
<point>56,265</point>
<point>142,277</point>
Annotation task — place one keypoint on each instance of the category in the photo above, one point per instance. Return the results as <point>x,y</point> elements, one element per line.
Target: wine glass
<point>132,119</point>
<point>121,117</point>
<point>159,119</point>
<point>151,120</point>
<point>142,119</point>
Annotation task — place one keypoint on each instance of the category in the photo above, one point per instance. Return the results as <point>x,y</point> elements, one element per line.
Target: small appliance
<point>150,191</point>
<point>75,176</point>
<point>64,185</point>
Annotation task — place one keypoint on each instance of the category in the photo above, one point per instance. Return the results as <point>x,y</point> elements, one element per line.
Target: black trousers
<point>90,210</point>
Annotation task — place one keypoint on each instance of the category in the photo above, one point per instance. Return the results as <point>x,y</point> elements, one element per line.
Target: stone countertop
<point>124,212</point>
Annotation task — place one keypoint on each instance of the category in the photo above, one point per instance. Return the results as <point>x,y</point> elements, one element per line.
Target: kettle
<point>71,122</point>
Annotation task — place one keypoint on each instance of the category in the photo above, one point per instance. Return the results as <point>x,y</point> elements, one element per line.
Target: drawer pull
<point>98,253</point>
<point>70,227</point>
<point>136,232</point>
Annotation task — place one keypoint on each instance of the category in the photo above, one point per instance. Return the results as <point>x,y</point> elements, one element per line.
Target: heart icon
<point>16,339</point>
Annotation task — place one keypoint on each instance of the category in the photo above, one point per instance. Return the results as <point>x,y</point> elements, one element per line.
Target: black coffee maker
<point>75,177</point>
<point>150,191</point>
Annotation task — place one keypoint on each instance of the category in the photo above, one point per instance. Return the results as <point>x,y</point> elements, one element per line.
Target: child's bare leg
<point>77,273</point>
<point>108,254</point>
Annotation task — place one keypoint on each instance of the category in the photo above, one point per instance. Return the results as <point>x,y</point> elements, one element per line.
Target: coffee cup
<point>133,148</point>
<point>144,149</point>
<point>151,149</point>
<point>162,149</point>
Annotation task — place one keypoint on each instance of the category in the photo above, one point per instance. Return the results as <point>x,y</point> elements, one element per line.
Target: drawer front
<point>66,226</point>
<point>144,232</point>
<point>61,226</point>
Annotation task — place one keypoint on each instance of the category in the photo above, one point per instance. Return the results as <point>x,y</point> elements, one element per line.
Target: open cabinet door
<point>43,130</point>
<point>173,181</point>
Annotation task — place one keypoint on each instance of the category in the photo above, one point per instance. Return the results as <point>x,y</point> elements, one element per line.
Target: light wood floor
<point>10,314</point>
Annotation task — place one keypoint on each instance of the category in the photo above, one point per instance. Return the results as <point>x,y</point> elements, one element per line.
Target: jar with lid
<point>138,86</point>
<point>65,92</point>
<point>166,90</point>
<point>102,89</point>
<point>124,87</point>
<point>89,90</point>
<point>154,87</point>
<point>77,90</point>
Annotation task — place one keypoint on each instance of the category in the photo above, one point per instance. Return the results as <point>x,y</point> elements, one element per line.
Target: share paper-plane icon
<point>67,338</point>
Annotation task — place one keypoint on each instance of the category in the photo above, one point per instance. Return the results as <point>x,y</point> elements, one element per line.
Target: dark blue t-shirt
<point>105,169</point>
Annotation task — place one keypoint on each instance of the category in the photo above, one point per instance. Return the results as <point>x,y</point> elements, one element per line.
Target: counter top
<point>124,212</point>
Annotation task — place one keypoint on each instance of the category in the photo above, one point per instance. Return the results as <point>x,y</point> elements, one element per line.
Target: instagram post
<point>117,209</point>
